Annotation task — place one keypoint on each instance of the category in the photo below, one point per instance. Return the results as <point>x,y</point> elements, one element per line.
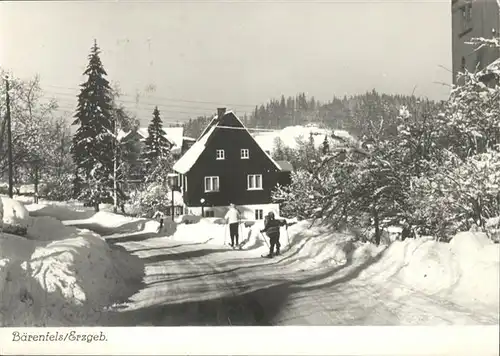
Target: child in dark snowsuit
<point>272,229</point>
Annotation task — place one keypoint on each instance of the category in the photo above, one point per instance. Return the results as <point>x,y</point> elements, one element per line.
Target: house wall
<point>247,211</point>
<point>485,17</point>
<point>285,178</point>
<point>232,171</point>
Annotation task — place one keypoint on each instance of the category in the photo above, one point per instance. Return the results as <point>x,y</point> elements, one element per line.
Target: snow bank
<point>15,247</point>
<point>106,223</point>
<point>479,261</point>
<point>45,228</point>
<point>189,219</point>
<point>466,270</point>
<point>15,216</point>
<point>60,212</point>
<point>320,246</point>
<point>64,282</point>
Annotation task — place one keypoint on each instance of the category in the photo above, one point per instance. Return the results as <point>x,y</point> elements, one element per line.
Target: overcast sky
<point>190,57</point>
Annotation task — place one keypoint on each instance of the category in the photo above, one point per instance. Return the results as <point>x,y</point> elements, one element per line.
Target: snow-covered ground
<point>58,275</point>
<point>61,273</point>
<point>290,134</point>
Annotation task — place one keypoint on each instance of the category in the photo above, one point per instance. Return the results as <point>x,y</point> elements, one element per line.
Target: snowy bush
<point>58,188</point>
<point>459,194</point>
<point>155,197</point>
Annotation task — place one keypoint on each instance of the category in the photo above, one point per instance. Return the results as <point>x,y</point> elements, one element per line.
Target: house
<point>226,165</point>
<point>187,142</point>
<point>473,19</point>
<point>174,136</point>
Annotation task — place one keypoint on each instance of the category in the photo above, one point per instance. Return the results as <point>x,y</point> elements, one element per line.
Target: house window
<point>254,181</point>
<point>259,214</point>
<point>211,184</point>
<point>219,154</point>
<point>245,153</point>
<point>209,213</point>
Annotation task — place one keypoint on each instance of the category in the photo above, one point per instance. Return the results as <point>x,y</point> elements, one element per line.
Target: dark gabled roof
<point>184,164</point>
<point>285,166</point>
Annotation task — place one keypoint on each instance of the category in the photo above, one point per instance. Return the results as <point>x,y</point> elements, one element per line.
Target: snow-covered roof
<point>122,134</point>
<point>143,131</point>
<point>188,159</point>
<point>285,166</point>
<point>173,134</point>
<point>184,164</point>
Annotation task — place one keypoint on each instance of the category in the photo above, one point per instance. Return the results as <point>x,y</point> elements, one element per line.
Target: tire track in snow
<point>233,291</point>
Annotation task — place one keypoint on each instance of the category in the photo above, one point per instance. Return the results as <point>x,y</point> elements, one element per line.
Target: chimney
<point>220,112</point>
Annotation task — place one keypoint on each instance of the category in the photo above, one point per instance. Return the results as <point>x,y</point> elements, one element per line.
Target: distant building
<point>472,19</point>
<point>226,165</point>
<point>174,135</point>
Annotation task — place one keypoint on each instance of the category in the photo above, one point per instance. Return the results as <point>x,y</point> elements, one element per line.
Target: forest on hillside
<point>356,113</point>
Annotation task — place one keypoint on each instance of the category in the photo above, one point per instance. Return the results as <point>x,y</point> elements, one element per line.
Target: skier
<point>233,218</point>
<point>272,229</point>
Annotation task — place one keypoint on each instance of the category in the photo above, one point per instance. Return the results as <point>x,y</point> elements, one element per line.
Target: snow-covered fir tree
<point>156,144</point>
<point>92,146</point>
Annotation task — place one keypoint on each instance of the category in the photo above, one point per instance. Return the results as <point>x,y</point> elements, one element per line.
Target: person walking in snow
<point>233,219</point>
<point>161,216</point>
<point>272,229</point>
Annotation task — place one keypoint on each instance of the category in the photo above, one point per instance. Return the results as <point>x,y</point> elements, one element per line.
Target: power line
<point>129,101</point>
<point>168,119</point>
<point>164,119</point>
<point>144,106</point>
<point>165,98</point>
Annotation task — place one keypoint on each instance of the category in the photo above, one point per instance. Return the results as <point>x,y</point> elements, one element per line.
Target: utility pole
<point>9,135</point>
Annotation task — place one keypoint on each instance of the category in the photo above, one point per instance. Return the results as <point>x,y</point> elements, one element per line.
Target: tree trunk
<point>377,227</point>
<point>115,167</point>
<point>36,184</point>
<point>115,187</point>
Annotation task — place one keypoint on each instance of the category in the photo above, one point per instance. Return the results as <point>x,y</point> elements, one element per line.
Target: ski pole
<point>264,239</point>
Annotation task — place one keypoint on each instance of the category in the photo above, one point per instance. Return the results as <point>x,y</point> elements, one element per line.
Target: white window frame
<point>245,153</point>
<point>220,157</point>
<point>249,180</point>
<point>211,179</point>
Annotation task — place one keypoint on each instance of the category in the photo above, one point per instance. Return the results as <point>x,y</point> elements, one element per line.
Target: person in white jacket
<point>233,218</point>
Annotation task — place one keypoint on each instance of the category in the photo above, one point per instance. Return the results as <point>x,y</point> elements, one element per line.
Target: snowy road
<point>202,284</point>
